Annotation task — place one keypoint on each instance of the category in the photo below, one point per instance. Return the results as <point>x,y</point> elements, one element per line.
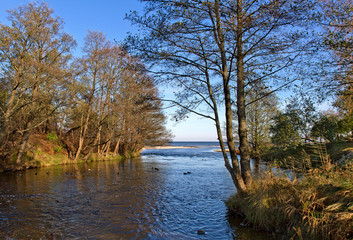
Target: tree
<point>92,78</point>
<point>208,48</point>
<point>339,40</point>
<point>303,115</point>
<point>284,133</point>
<point>143,120</point>
<point>34,53</point>
<point>117,107</point>
<point>260,116</point>
<point>325,128</point>
<point>345,125</point>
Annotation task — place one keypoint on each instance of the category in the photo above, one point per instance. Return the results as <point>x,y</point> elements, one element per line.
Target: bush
<point>52,136</point>
<point>57,149</point>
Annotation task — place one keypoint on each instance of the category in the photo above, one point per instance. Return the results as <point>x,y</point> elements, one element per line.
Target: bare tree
<point>207,48</point>
<point>34,53</point>
<point>115,97</point>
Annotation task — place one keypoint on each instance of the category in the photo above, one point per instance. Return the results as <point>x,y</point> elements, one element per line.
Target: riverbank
<point>47,151</point>
<point>317,205</point>
<point>46,160</point>
<point>167,147</point>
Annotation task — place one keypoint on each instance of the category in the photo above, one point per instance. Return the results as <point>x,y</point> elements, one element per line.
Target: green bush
<point>57,149</point>
<point>52,136</point>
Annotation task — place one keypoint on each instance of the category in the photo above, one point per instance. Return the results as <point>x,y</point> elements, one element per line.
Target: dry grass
<point>317,206</point>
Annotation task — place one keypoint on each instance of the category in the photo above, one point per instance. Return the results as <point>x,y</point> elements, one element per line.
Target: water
<point>164,194</point>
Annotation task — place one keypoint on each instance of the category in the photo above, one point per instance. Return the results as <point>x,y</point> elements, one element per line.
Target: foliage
<point>284,133</point>
<point>325,128</point>
<point>118,104</point>
<point>102,102</point>
<point>260,114</point>
<point>57,149</point>
<point>345,125</point>
<point>212,52</point>
<point>339,39</point>
<point>52,136</point>
<point>34,53</point>
<point>302,115</point>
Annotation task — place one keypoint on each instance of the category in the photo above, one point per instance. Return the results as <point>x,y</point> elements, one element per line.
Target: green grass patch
<point>52,136</point>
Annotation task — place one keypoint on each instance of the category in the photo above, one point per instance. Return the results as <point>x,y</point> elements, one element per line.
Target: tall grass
<point>318,205</point>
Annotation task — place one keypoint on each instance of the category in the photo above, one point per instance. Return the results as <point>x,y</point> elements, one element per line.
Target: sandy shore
<point>167,147</point>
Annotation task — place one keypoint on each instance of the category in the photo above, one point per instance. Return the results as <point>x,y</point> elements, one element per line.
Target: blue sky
<point>108,16</point>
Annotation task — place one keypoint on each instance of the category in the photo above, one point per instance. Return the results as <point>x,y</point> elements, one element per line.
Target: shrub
<point>52,136</point>
<point>57,149</point>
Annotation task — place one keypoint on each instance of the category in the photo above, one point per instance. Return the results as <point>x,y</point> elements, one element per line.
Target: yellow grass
<point>317,206</point>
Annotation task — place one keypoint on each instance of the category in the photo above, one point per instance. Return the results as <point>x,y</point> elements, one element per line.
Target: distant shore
<point>167,147</point>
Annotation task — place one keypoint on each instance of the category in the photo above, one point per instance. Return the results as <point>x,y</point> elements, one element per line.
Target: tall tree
<point>338,23</point>
<point>34,53</point>
<point>92,66</point>
<point>210,47</point>
<point>117,108</point>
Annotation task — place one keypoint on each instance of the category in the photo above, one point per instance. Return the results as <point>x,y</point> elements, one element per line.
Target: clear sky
<point>108,16</point>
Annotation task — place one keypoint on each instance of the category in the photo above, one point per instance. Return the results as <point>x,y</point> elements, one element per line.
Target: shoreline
<point>48,160</point>
<point>167,147</point>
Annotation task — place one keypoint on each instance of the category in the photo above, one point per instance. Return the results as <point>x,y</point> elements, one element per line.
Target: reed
<point>319,205</point>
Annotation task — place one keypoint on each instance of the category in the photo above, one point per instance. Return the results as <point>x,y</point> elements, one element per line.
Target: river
<point>164,194</point>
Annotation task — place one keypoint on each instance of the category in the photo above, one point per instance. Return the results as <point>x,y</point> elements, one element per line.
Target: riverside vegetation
<point>228,60</point>
<point>56,108</point>
<point>220,57</point>
<point>316,202</point>
<point>319,205</point>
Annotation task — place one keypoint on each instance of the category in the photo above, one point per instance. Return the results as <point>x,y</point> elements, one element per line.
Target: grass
<point>317,206</point>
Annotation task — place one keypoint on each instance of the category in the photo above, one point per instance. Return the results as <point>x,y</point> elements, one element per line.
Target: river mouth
<point>164,194</point>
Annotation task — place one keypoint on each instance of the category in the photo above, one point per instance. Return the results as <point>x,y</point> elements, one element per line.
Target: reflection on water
<point>150,197</point>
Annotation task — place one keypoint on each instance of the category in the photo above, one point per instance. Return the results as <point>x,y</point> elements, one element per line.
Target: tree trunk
<point>4,134</point>
<point>242,128</point>
<point>23,147</point>
<point>83,134</point>
<point>117,147</point>
<point>235,169</point>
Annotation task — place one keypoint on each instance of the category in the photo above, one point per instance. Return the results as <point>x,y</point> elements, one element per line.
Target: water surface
<point>164,194</point>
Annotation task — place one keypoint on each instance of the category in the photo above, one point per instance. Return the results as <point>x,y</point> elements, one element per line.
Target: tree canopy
<point>103,102</point>
<point>215,50</point>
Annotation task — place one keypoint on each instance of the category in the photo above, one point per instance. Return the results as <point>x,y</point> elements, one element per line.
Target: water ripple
<point>123,200</point>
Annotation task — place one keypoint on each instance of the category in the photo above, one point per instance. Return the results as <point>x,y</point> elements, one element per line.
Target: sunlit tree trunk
<point>240,181</point>
<point>242,128</point>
